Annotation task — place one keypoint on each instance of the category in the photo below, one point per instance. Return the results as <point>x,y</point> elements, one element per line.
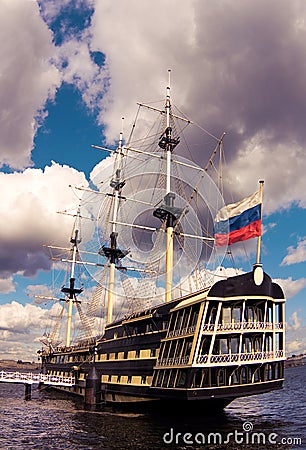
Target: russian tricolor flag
<point>238,221</point>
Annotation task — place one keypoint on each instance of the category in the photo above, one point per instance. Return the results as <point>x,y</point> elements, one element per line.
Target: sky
<point>70,69</point>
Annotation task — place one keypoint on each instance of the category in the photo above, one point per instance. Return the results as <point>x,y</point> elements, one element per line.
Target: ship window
<point>179,320</point>
<point>159,377</point>
<point>257,344</point>
<point>243,375</point>
<point>197,378</point>
<point>220,347</point>
<point>268,372</point>
<point>186,319</point>
<point>268,343</point>
<point>224,346</point>
<point>226,315</point>
<point>166,378</point>
<point>278,341</point>
<point>234,345</point>
<point>153,352</point>
<point>194,315</point>
<point>259,315</point>
<point>172,378</point>
<point>149,327</point>
<point>205,346</point>
<point>181,378</point>
<point>278,312</point>
<point>187,347</point>
<point>249,314</point>
<point>179,348</point>
<point>256,376</point>
<point>143,379</point>
<point>172,322</point>
<point>172,349</point>
<point>269,314</point>
<point>216,349</point>
<point>221,377</point>
<point>277,371</point>
<point>237,314</point>
<point>234,378</point>
<point>247,345</point>
<point>212,316</point>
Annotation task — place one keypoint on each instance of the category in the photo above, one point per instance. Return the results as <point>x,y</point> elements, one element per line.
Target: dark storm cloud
<point>254,53</point>
<point>237,66</point>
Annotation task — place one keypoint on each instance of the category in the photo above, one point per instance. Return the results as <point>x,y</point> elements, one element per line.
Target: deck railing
<point>181,332</point>
<point>240,357</point>
<point>237,326</point>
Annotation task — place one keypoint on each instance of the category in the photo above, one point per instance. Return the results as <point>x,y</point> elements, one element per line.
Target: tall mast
<point>113,253</point>
<point>169,240</point>
<point>168,134</point>
<point>167,212</point>
<point>72,291</point>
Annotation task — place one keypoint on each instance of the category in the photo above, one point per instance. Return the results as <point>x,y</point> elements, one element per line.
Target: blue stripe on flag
<point>242,220</point>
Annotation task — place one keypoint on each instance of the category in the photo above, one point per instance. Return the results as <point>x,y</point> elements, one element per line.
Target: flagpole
<point>261,183</point>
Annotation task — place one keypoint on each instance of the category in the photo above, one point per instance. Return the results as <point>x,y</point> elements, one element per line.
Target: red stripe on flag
<point>250,231</point>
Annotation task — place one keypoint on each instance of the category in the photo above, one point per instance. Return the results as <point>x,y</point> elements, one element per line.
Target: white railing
<point>31,378</point>
<point>183,360</point>
<point>240,357</point>
<point>183,331</point>
<point>237,326</point>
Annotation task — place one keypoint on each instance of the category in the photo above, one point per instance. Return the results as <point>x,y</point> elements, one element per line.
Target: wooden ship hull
<point>209,347</point>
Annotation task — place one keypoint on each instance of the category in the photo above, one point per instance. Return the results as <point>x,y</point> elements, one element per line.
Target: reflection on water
<point>52,421</point>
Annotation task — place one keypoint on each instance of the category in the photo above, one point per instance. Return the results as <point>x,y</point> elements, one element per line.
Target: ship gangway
<point>32,377</point>
<point>29,378</point>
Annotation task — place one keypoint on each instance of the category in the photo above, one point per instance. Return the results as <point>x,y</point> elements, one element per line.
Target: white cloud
<point>295,335</point>
<point>141,44</point>
<point>29,216</point>
<point>296,347</point>
<point>291,287</point>
<point>20,328</point>
<point>294,322</point>
<point>27,79</point>
<point>295,255</point>
<point>7,285</point>
<point>78,68</point>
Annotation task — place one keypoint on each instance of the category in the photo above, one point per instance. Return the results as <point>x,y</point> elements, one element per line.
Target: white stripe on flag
<point>234,209</point>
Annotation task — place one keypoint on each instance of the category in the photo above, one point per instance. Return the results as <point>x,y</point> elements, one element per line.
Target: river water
<point>52,421</point>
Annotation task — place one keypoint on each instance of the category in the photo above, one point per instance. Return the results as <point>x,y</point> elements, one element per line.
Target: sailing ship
<point>175,328</point>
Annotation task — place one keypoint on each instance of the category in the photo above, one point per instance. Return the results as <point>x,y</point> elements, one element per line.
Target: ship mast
<point>167,212</point>
<point>169,241</point>
<point>113,253</point>
<point>71,291</point>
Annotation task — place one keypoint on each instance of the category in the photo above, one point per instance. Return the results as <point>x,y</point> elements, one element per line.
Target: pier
<point>29,378</point>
